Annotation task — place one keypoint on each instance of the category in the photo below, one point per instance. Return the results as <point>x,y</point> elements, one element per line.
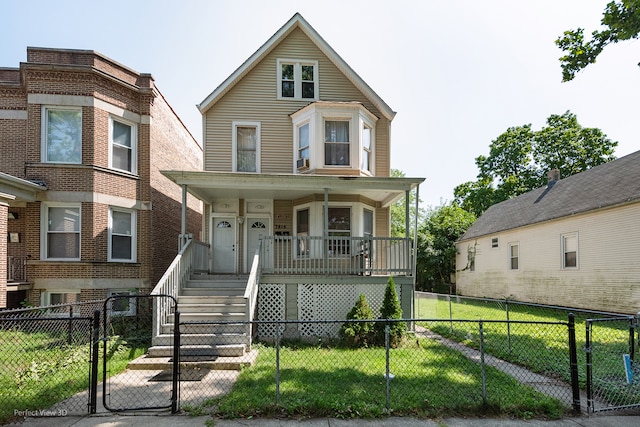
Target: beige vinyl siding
<point>254,98</point>
<point>606,278</point>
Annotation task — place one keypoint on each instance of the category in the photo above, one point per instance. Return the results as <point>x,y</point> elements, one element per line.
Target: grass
<point>346,383</point>
<point>40,369</point>
<point>542,348</point>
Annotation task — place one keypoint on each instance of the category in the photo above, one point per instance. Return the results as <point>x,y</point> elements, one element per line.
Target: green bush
<point>358,334</point>
<point>391,309</point>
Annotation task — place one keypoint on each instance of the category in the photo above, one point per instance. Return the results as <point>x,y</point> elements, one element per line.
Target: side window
<point>514,256</point>
<point>122,235</point>
<point>366,149</point>
<point>61,135</point>
<point>61,232</point>
<point>246,147</point>
<point>570,250</point>
<point>122,146</point>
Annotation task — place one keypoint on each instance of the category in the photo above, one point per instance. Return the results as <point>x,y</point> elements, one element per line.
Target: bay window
<point>61,236</point>
<point>336,143</point>
<point>122,236</point>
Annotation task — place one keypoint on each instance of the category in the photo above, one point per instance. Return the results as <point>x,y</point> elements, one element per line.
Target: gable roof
<point>297,21</point>
<point>607,185</point>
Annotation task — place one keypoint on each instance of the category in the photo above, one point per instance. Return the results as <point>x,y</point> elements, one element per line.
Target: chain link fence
<point>431,371</point>
<point>45,360</point>
<point>613,379</point>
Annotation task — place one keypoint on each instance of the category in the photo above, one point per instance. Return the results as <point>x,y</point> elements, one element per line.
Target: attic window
<point>297,79</point>
<point>494,242</point>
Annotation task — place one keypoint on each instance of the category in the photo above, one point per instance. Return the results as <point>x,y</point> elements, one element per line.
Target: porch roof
<point>209,186</point>
<point>14,189</point>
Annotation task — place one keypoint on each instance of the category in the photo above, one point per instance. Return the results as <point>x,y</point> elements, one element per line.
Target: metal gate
<point>613,368</point>
<point>129,323</point>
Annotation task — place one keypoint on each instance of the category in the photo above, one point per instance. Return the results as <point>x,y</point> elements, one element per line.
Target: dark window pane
<point>307,90</point>
<point>287,71</point>
<point>570,259</point>
<point>307,72</point>
<point>287,89</point>
<point>121,247</point>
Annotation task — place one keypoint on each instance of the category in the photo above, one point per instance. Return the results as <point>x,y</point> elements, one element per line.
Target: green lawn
<point>430,380</point>
<point>40,369</point>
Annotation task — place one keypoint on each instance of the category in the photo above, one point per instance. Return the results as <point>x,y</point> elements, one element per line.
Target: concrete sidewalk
<point>166,420</point>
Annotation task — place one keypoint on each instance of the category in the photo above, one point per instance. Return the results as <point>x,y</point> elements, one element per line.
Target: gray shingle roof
<point>610,184</point>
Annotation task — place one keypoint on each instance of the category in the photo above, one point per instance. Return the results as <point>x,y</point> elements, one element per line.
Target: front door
<point>256,228</point>
<point>224,244</point>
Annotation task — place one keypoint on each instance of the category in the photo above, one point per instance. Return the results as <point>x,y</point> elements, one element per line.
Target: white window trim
<point>44,143</point>
<point>134,235</point>
<point>45,297</point>
<point>132,301</point>
<point>340,118</point>
<point>363,124</point>
<point>297,78</point>
<point>134,144</point>
<point>234,143</point>
<point>511,257</point>
<point>563,238</point>
<point>44,230</point>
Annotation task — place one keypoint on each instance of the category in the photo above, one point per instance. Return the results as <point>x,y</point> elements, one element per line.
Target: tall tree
<point>436,261</point>
<point>621,21</point>
<point>520,158</point>
<point>398,213</point>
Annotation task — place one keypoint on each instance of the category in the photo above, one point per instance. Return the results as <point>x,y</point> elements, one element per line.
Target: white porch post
<point>183,227</point>
<point>325,232</point>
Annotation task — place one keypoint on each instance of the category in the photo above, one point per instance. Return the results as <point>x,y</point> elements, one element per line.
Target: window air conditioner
<point>302,163</point>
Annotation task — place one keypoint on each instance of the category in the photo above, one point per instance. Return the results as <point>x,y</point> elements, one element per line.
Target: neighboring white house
<point>573,243</point>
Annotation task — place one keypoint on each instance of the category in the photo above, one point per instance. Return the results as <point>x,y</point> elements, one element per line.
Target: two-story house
<point>296,186</point>
<point>83,204</point>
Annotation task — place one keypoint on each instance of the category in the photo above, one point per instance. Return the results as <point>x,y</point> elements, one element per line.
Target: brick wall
<point>162,142</point>
<point>3,254</point>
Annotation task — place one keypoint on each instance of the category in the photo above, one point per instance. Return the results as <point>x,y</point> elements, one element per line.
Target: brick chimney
<point>552,177</point>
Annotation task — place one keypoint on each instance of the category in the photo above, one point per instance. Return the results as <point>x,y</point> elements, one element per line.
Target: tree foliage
<point>391,309</point>
<point>520,158</point>
<point>398,213</point>
<point>358,333</point>
<point>436,261</point>
<point>621,21</point>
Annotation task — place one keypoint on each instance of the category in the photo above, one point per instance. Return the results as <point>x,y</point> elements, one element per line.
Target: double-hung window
<point>570,250</point>
<point>61,135</point>
<point>365,163</point>
<point>246,146</point>
<point>514,256</point>
<point>61,226</point>
<point>122,235</point>
<point>297,79</point>
<point>303,143</point>
<point>336,143</point>
<point>123,142</point>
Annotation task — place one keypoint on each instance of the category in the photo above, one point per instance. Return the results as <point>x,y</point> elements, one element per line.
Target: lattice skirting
<point>316,302</point>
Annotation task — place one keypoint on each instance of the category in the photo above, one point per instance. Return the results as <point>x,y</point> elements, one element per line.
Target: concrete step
<point>161,363</point>
<point>209,317</point>
<point>213,292</point>
<point>210,299</point>
<point>229,350</point>
<point>217,308</point>
<point>206,328</point>
<point>202,339</point>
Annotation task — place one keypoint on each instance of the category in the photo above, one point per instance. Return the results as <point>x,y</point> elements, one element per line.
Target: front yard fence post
<point>573,363</point>
<point>483,373</point>
<point>70,331</point>
<point>588,357</point>
<point>176,362</point>
<point>277,363</point>
<point>93,387</point>
<point>387,374</point>
<point>506,305</point>
<point>632,336</point>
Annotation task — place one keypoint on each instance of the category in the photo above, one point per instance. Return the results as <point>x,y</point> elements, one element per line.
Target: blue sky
<point>458,73</point>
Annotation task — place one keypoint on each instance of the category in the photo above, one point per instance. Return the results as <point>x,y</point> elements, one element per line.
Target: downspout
<point>325,231</point>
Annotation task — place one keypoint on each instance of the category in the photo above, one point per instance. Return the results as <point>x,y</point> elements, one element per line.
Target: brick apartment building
<point>84,210</point>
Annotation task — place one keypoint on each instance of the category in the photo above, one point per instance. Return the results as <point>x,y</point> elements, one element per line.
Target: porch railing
<point>192,257</point>
<point>336,255</point>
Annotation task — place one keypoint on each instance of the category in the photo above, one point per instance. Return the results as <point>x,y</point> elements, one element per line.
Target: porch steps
<point>233,363</point>
<point>211,304</point>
